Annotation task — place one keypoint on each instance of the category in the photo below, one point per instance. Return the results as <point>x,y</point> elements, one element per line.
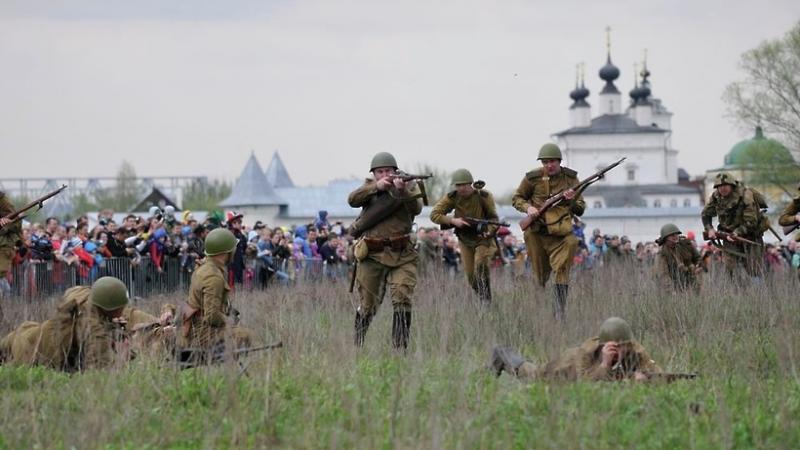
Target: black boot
<point>401,329</point>
<point>506,358</point>
<point>560,303</point>
<point>361,325</point>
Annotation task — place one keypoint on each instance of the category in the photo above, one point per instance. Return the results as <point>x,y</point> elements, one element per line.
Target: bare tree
<point>769,95</point>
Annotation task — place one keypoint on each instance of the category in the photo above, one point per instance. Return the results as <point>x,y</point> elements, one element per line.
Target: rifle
<point>723,235</point>
<point>353,277</point>
<point>17,215</point>
<point>554,200</point>
<point>789,228</point>
<point>669,377</point>
<point>248,350</point>
<point>408,176</point>
<point>479,224</point>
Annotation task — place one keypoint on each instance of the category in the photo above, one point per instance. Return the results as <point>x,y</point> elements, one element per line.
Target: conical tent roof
<point>252,188</point>
<point>277,175</point>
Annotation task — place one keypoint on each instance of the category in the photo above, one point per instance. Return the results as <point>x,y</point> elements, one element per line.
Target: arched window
<point>687,202</point>
<point>631,174</point>
<point>656,203</point>
<point>597,204</point>
<point>673,203</point>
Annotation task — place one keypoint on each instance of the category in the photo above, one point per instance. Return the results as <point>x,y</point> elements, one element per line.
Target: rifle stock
<point>248,350</point>
<point>723,235</point>
<point>789,228</point>
<point>559,197</point>
<point>669,377</point>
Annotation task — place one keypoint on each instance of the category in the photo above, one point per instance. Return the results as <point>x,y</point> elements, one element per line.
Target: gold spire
<point>608,39</point>
<point>583,72</point>
<point>635,71</point>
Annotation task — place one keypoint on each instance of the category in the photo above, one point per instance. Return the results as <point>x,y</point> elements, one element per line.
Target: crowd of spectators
<point>317,250</point>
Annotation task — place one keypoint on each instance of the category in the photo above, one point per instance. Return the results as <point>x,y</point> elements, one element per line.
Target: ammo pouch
<point>360,250</point>
<point>558,222</point>
<point>396,243</point>
<point>380,207</point>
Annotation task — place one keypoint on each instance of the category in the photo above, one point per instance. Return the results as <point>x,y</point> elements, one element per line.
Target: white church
<point>647,189</point>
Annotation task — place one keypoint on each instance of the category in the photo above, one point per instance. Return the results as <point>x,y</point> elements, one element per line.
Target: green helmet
<point>219,241</point>
<point>723,178</point>
<point>668,230</point>
<point>615,329</point>
<point>382,159</point>
<point>549,151</point>
<point>108,294</point>
<point>462,176</point>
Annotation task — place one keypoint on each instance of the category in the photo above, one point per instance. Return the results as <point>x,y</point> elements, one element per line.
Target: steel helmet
<point>668,230</point>
<point>462,176</point>
<point>382,159</point>
<point>615,329</point>
<point>219,241</point>
<point>549,151</point>
<point>108,294</point>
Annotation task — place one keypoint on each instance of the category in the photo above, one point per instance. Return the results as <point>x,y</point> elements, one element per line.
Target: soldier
<point>86,333</point>
<point>429,250</point>
<point>738,213</point>
<point>791,213</point>
<point>205,317</point>
<point>10,235</point>
<point>550,242</point>
<point>476,241</point>
<point>613,355</point>
<point>385,254</point>
<point>678,263</point>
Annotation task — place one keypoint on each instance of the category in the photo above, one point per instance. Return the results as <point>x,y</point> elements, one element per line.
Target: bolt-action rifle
<point>724,235</point>
<point>39,202</point>
<point>559,197</point>
<point>478,224</point>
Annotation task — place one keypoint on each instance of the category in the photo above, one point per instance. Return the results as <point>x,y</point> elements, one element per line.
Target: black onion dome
<point>636,94</point>
<point>609,72</point>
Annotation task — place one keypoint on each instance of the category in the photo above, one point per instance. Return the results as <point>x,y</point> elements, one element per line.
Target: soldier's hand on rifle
<point>610,353</point>
<point>732,237</point>
<point>4,221</point>
<point>383,184</point>
<point>400,184</point>
<point>712,234</point>
<point>532,211</point>
<point>640,376</point>
<point>459,222</point>
<point>569,194</point>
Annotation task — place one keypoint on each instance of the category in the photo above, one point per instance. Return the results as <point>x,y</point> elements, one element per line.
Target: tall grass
<point>319,391</point>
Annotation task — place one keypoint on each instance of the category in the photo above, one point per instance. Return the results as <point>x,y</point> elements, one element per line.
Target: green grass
<point>318,392</point>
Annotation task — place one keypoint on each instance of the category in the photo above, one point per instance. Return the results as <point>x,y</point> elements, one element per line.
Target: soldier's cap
<point>625,239</point>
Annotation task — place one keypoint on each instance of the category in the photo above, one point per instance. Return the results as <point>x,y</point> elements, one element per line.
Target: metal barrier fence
<point>32,279</point>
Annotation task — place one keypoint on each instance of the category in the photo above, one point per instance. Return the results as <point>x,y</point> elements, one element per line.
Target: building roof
<point>153,198</point>
<point>758,150</point>
<point>252,188</point>
<point>277,175</point>
<point>612,124</point>
<point>634,196</point>
<point>305,202</point>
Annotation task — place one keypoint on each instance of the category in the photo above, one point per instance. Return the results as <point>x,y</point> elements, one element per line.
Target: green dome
<point>757,150</point>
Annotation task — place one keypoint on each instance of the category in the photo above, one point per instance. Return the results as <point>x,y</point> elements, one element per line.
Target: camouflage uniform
<point>79,337</point>
<point>10,235</point>
<point>386,258</point>
<point>584,363</point>
<point>549,240</point>
<point>204,318</point>
<point>676,266</point>
<point>738,213</point>
<point>477,250</point>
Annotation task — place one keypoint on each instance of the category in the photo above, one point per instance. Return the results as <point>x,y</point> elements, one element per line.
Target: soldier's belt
<point>397,243</point>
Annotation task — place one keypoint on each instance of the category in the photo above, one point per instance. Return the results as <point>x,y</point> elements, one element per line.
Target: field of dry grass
<point>318,391</point>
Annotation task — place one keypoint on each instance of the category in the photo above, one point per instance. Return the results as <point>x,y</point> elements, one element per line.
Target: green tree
<point>124,195</point>
<point>769,94</point>
<point>204,196</point>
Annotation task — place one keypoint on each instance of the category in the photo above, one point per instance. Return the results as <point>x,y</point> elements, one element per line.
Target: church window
<point>687,202</point>
<point>631,174</point>
<point>656,203</point>
<point>673,203</point>
<point>598,204</point>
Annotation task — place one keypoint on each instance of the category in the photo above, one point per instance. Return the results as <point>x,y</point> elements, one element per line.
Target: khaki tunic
<point>675,266</point>
<point>787,217</point>
<point>9,236</point>
<point>477,250</point>
<point>549,240</point>
<point>392,269</point>
<point>79,337</point>
<point>208,295</point>
<point>737,213</point>
<point>585,363</point>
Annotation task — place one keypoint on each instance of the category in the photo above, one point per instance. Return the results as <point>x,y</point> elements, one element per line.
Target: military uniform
<point>677,263</point>
<point>789,213</point>
<point>204,320</point>
<point>79,337</point>
<point>583,362</point>
<point>737,213</point>
<point>477,249</point>
<point>10,235</point>
<point>550,242</point>
<point>385,254</point>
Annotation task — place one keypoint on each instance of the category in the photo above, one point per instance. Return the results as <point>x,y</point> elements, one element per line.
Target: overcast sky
<point>191,88</point>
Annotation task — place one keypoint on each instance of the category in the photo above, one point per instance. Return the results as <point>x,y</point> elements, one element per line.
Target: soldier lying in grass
<point>613,355</point>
